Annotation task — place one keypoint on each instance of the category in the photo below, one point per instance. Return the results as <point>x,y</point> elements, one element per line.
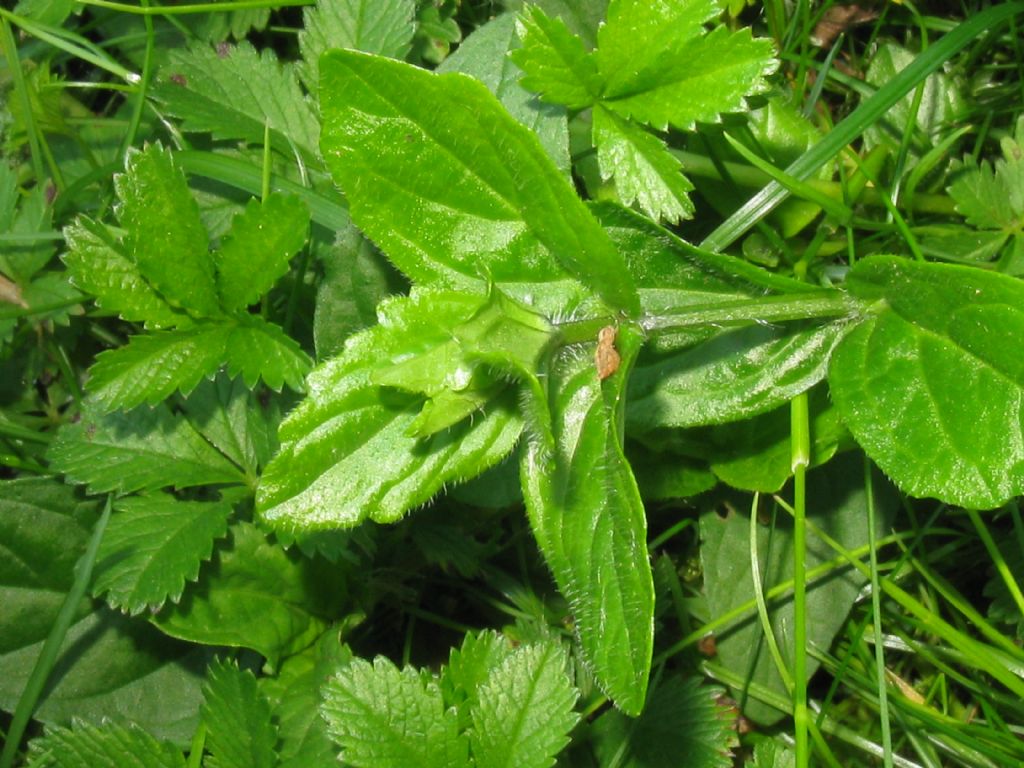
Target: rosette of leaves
<point>193,301</point>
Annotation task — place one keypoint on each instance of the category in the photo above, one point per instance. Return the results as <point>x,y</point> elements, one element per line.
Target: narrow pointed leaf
<point>237,716</point>
<point>588,517</point>
<point>98,265</point>
<point>524,710</point>
<point>555,63</point>
<point>384,717</point>
<point>257,248</point>
<point>930,385</point>
<point>166,237</point>
<point>444,191</point>
<point>152,546</point>
<point>144,449</point>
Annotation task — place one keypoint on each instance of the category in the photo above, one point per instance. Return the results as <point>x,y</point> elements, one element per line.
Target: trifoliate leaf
<point>237,716</point>
<point>555,63</point>
<point>436,190</point>
<point>152,546</point>
<point>256,350</point>
<point>348,450</point>
<point>166,238</point>
<point>110,745</point>
<point>143,449</point>
<point>588,518</point>
<point>233,92</point>
<point>384,717</point>
<point>643,169</point>
<point>152,367</point>
<point>524,710</point>
<point>99,265</point>
<point>682,717</point>
<point>256,250</point>
<point>384,27</point>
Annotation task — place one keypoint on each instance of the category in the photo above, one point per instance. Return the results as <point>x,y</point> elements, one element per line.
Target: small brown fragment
<point>606,357</point>
<point>839,18</point>
<point>179,79</point>
<point>10,293</point>
<point>223,50</point>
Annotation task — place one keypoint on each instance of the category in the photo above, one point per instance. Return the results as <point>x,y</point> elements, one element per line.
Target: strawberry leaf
<point>239,730</point>
<point>555,62</point>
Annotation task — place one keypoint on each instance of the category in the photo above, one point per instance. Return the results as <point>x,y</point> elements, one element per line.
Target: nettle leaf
<point>737,374</point>
<point>556,63</point>
<point>469,667</point>
<point>152,546</point>
<point>682,717</point>
<point>643,169</point>
<point>481,179</point>
<point>99,265</point>
<point>384,27</point>
<point>233,92</point>
<point>257,248</point>
<point>928,384</point>
<point>351,449</point>
<point>239,730</point>
<point>524,710</point>
<point>384,717</point>
<point>152,367</point>
<point>253,595</point>
<point>588,518</point>
<point>109,745</point>
<point>166,238</point>
<point>143,449</point>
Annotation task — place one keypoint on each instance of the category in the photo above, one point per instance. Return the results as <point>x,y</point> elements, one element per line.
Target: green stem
<point>10,50</point>
<point>51,647</point>
<point>767,309</point>
<point>876,611</point>
<point>997,559</point>
<point>800,458</point>
<point>177,10</point>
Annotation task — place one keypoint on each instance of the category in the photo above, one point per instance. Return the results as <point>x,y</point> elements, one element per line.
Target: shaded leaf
<point>237,716</point>
<point>140,450</point>
<point>152,546</point>
<point>384,717</point>
<point>109,745</point>
<point>928,384</point>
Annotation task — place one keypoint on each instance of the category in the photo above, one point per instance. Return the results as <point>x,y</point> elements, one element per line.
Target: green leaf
<point>928,384</point>
<point>468,669</point>
<point>445,192</point>
<point>524,710</point>
<point>555,63</point>
<point>233,92</point>
<point>682,717</point>
<point>384,27</point>
<point>688,80</point>
<point>256,350</point>
<point>109,745</point>
<point>152,367</point>
<point>140,450</point>
<point>348,451</point>
<point>384,717</point>
<point>588,518</point>
<point>98,264</point>
<point>839,510</point>
<point>257,248</point>
<point>253,595</point>
<point>992,196</point>
<point>152,546</point>
<point>237,716</point>
<point>737,374</point>
<point>166,238</point>
<point>643,169</point>
<point>484,55</point>
<point>110,666</point>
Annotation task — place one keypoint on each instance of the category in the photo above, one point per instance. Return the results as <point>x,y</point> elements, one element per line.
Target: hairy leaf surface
<point>932,384</point>
<point>152,546</point>
<point>588,518</point>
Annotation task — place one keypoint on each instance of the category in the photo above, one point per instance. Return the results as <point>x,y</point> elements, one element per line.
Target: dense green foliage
<point>364,396</point>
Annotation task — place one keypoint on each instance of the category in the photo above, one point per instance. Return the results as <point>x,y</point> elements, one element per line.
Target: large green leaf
<point>384,717</point>
<point>837,504</point>
<point>237,716</point>
<point>524,710</point>
<point>166,237</point>
<point>588,518</point>
<point>234,92</point>
<point>152,546</point>
<point>144,449</point>
<point>109,666</point>
<point>451,194</point>
<point>352,449</point>
<point>254,595</point>
<point>931,384</point>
